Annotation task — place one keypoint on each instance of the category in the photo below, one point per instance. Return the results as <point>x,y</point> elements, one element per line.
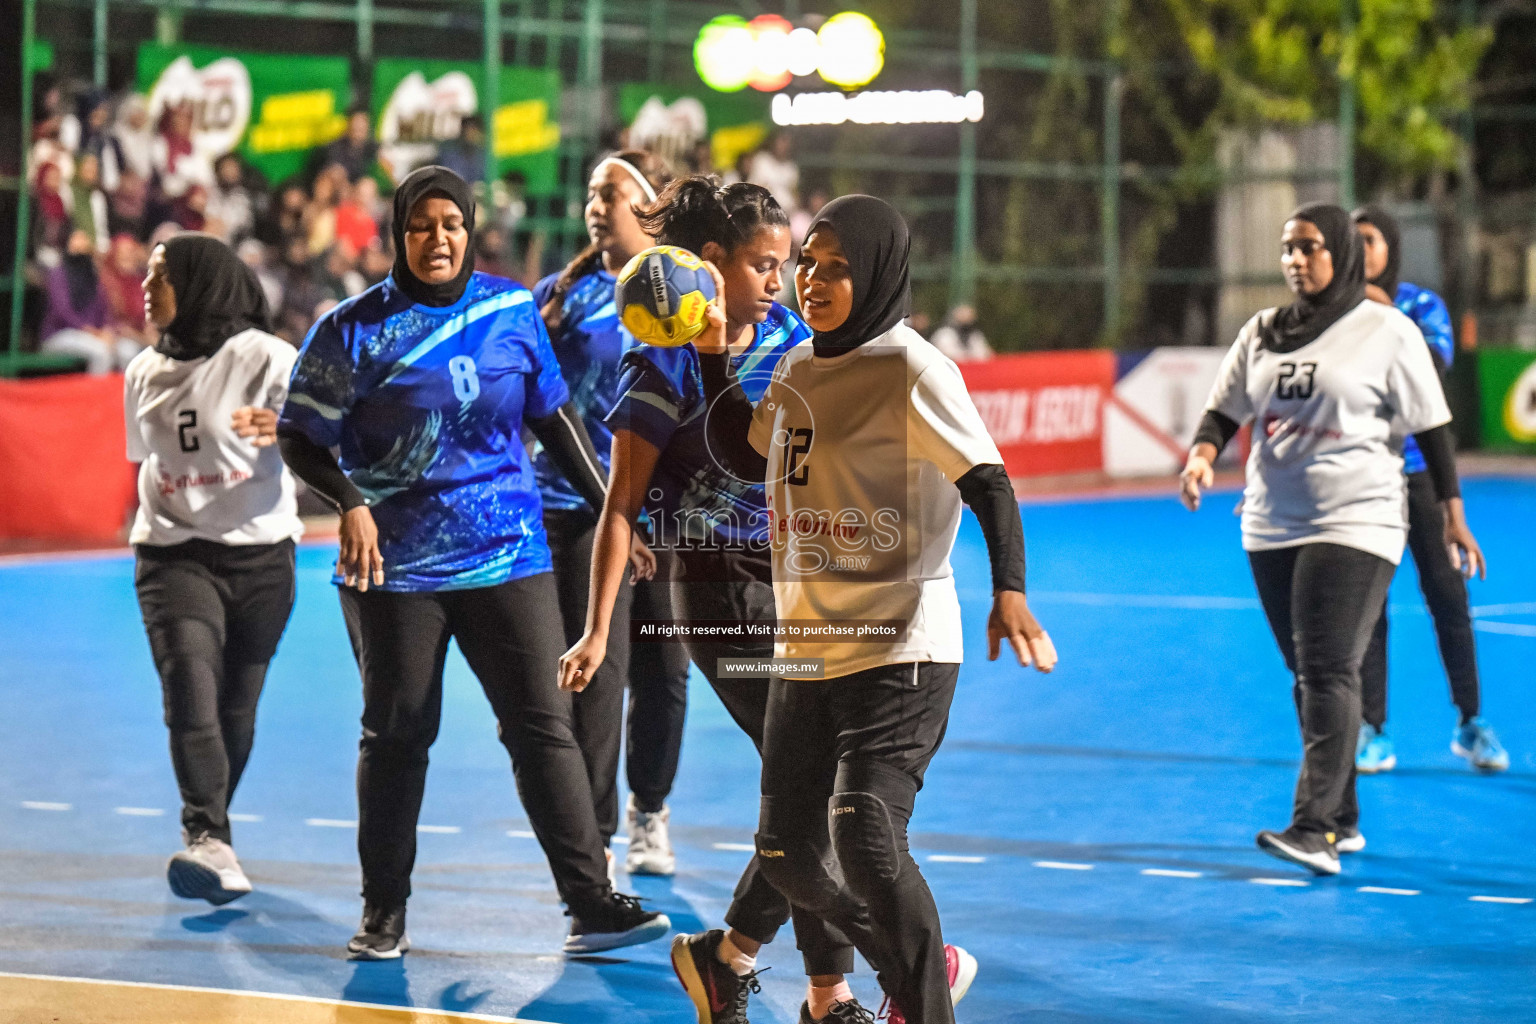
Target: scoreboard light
<point>768,52</point>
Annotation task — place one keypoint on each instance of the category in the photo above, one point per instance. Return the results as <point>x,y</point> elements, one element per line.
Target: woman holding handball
<point>714,525</point>
<point>577,306</point>
<point>869,429</point>
<point>425,382</point>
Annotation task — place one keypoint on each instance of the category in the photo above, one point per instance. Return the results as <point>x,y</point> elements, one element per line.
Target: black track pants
<point>510,634</point>
<point>213,614</point>
<point>1322,601</point>
<point>1445,593</point>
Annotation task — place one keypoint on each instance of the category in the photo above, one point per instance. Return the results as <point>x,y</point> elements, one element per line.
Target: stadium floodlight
<point>930,106</point>
<point>852,50</point>
<point>725,53</point>
<point>769,52</point>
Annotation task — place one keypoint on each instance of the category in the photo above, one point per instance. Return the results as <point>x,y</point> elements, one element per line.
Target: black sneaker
<point>718,993</point>
<point>1312,850</point>
<point>849,1012</point>
<point>613,921</point>
<point>381,936</point>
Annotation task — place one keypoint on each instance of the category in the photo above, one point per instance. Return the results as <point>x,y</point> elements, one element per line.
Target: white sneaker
<point>207,870</point>
<point>650,847</point>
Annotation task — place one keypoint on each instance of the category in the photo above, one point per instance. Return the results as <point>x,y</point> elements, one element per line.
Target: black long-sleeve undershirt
<point>564,436</point>
<point>1437,445</point>
<point>317,467</point>
<point>987,490</point>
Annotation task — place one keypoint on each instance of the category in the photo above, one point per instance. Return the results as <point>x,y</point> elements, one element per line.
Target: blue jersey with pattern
<point>1427,310</point>
<point>690,495</point>
<point>590,344</point>
<point>427,406</point>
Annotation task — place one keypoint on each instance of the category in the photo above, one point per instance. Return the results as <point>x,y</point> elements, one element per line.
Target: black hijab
<point>80,276</point>
<point>1384,222</point>
<point>1310,315</point>
<point>421,183</point>
<point>217,297</point>
<point>875,240</point>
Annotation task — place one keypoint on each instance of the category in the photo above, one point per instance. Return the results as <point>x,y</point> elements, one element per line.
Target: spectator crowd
<point>110,179</point>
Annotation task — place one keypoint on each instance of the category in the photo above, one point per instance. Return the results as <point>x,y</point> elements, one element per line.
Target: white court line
<point>950,858</point>
<point>330,823</point>
<point>1506,628</point>
<point>440,830</point>
<point>46,805</point>
<point>1170,873</point>
<point>1062,865</point>
<point>621,840</point>
<point>1499,899</point>
<point>735,847</point>
<point>518,833</point>
<point>1519,608</point>
<point>245,817</point>
<point>1389,892</point>
<point>140,812</point>
<point>1294,883</point>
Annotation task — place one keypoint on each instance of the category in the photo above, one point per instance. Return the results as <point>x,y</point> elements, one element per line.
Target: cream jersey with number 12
<point>863,452</point>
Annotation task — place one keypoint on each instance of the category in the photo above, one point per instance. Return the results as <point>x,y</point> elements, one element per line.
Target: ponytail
<point>693,211</point>
<point>658,174</point>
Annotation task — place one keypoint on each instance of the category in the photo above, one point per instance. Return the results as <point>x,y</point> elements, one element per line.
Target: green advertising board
<point>670,118</point>
<point>418,104</point>
<point>1507,384</point>
<point>271,108</point>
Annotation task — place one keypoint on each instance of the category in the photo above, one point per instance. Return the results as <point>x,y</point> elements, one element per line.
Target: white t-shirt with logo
<point>1329,421</point>
<point>198,478</point>
<point>863,453</point>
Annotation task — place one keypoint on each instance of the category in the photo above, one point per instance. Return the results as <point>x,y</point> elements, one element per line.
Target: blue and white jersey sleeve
<point>1429,313</point>
<point>321,389</point>
<point>656,393</point>
<point>546,391</point>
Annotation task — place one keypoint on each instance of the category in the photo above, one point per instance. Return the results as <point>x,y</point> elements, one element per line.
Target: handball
<point>662,294</point>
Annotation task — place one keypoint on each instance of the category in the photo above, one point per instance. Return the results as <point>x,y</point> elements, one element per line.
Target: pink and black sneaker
<point>961,968</point>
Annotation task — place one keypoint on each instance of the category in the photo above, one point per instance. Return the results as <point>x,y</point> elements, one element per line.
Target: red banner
<point>64,474</point>
<point>1045,410</point>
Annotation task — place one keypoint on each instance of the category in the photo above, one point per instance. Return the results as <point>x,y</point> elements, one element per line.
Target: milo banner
<point>1507,382</point>
<point>671,121</point>
<point>271,108</point>
<point>418,104</point>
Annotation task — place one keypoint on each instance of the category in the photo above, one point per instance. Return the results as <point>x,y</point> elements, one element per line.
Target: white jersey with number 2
<point>1329,421</point>
<point>199,479</point>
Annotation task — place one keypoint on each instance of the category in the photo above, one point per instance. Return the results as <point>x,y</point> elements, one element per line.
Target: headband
<point>633,171</point>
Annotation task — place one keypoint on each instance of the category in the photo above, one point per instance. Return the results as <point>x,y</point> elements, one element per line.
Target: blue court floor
<point>1089,835</point>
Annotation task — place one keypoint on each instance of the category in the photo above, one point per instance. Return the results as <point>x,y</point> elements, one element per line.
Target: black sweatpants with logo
<point>213,614</point>
<point>843,760</point>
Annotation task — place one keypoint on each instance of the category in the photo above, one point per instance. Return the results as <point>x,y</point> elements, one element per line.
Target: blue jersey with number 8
<point>427,405</point>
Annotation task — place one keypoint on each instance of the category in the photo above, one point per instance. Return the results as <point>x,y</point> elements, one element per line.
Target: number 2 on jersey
<point>466,382</point>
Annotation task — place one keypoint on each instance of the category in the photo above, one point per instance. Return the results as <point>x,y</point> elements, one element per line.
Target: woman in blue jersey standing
<point>425,382</point>
<point>1444,588</point>
<point>578,308</point>
<point>714,525</point>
